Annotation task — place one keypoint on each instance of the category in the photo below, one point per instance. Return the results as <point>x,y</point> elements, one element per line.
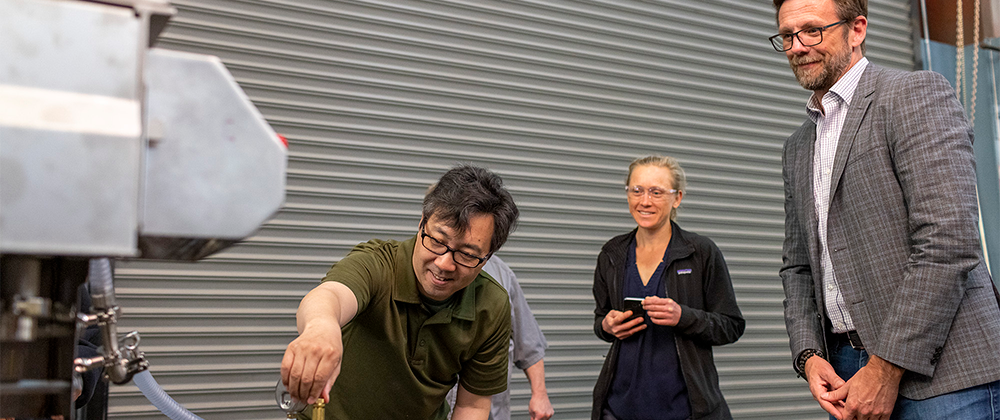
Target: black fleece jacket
<point>709,314</point>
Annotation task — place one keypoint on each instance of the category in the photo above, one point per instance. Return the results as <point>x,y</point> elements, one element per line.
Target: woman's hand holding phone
<point>624,324</point>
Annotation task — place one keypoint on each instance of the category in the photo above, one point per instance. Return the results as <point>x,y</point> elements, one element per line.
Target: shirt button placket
<point>421,354</point>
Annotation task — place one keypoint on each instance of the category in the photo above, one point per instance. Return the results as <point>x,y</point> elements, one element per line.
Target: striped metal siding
<point>378,98</point>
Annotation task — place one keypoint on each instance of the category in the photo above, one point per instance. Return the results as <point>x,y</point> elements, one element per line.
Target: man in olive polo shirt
<point>394,325</point>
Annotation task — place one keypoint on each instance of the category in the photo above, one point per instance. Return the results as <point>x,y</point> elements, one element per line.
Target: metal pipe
<point>102,292</point>
<point>23,274</point>
<point>927,34</point>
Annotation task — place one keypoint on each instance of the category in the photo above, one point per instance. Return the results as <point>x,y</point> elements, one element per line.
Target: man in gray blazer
<point>888,304</point>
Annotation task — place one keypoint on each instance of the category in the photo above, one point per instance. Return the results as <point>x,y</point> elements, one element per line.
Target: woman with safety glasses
<point>664,299</point>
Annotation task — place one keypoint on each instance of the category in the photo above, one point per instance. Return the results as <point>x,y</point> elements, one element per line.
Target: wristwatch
<point>800,362</point>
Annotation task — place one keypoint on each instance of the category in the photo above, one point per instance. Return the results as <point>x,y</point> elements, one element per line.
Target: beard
<point>827,75</point>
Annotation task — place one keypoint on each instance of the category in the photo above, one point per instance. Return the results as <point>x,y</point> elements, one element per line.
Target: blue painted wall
<point>987,130</point>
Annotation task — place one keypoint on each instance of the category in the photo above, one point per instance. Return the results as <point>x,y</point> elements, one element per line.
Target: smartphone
<point>634,304</point>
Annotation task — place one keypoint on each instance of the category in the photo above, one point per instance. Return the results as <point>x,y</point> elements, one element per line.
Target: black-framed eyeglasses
<point>807,37</point>
<point>462,258</point>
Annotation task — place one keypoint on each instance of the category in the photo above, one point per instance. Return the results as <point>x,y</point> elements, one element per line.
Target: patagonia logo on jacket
<point>684,271</point>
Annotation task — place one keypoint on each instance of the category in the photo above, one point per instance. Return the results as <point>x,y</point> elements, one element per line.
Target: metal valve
<point>291,406</point>
<point>120,362</point>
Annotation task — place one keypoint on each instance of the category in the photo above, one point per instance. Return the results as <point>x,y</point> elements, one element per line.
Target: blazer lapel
<point>804,188</point>
<point>862,100</point>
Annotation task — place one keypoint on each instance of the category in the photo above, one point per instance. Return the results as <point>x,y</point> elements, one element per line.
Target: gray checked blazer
<point>902,233</point>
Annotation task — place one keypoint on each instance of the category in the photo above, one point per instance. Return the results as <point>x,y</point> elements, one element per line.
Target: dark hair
<point>467,191</point>
<point>846,10</point>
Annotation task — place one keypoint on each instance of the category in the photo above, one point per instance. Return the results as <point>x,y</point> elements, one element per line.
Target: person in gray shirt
<point>527,348</point>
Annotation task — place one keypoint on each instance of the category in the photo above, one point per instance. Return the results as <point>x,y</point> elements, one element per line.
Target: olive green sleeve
<point>367,270</point>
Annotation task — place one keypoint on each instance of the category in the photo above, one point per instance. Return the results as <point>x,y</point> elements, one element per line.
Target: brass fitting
<point>319,409</point>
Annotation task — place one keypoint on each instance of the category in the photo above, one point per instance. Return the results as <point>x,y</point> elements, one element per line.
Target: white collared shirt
<point>829,122</point>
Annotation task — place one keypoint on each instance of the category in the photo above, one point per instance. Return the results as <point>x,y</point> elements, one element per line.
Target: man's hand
<point>822,380</point>
<point>614,324</point>
<point>539,407</point>
<point>870,394</point>
<point>312,361</point>
<point>662,311</point>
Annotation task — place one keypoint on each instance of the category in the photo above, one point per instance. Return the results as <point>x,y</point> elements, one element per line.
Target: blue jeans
<point>980,402</point>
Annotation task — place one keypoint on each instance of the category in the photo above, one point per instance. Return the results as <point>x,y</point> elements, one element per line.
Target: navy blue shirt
<point>648,383</point>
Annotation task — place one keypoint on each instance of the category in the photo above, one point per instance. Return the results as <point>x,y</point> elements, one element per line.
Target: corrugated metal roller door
<point>378,98</point>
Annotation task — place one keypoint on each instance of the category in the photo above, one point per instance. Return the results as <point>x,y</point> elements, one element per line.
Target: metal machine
<point>109,147</point>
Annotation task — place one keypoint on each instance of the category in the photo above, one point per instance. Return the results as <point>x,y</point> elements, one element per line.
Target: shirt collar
<point>843,89</point>
<point>463,307</point>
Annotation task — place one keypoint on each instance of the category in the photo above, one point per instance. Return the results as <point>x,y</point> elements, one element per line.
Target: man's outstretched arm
<point>312,361</point>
